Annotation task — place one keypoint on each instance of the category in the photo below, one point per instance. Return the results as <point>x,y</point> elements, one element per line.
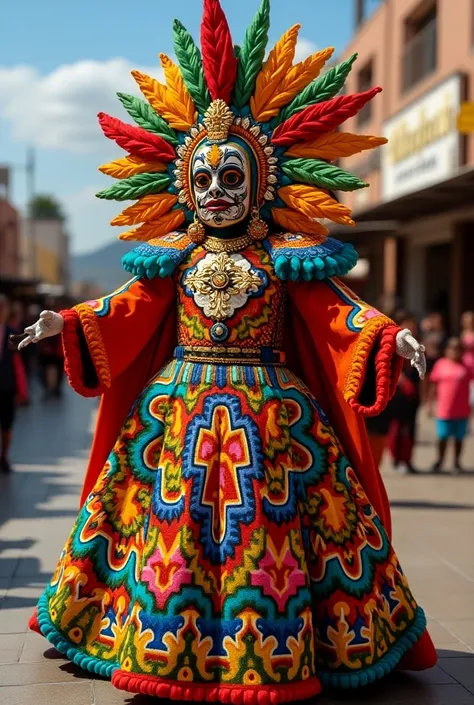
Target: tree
<point>44,207</point>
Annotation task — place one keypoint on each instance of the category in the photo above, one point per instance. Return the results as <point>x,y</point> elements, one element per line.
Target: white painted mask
<point>221,183</point>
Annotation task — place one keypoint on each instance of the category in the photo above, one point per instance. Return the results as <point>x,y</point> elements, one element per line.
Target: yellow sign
<point>412,135</point>
<point>465,121</point>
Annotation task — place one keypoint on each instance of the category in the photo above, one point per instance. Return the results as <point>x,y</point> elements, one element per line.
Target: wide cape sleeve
<point>113,347</point>
<point>344,350</point>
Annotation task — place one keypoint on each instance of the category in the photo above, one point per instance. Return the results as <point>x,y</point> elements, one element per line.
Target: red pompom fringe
<point>33,622</point>
<point>321,117</point>
<point>211,693</point>
<point>388,366</point>
<point>219,62</point>
<point>136,141</point>
<point>421,656</point>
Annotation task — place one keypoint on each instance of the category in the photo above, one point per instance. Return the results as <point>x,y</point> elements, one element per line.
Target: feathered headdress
<point>288,114</point>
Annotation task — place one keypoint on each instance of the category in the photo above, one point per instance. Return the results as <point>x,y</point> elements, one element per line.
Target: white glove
<point>49,324</point>
<point>409,348</point>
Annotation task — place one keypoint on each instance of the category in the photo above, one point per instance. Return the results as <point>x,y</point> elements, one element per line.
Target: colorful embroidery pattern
<point>361,312</point>
<point>238,296</point>
<point>177,569</point>
<point>101,307</point>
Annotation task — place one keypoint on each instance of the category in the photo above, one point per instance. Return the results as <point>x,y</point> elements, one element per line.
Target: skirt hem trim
<point>387,663</point>
<point>211,692</point>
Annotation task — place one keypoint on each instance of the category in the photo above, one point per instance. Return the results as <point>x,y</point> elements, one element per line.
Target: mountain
<point>101,267</point>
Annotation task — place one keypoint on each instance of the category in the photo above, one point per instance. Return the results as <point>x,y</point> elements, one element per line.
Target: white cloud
<point>304,48</point>
<point>89,218</point>
<point>58,110</point>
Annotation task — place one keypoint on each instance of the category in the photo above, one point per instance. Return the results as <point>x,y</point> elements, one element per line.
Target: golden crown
<point>218,118</point>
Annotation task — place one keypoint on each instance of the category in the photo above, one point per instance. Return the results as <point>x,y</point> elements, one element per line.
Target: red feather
<point>321,117</point>
<point>136,141</point>
<point>219,62</point>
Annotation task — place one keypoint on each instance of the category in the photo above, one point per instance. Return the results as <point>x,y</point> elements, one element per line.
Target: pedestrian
<point>17,322</point>
<point>51,365</point>
<point>12,384</point>
<point>467,340</point>
<point>378,428</point>
<point>434,337</point>
<point>404,406</point>
<point>450,380</point>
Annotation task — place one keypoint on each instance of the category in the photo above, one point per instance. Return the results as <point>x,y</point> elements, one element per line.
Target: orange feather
<point>335,145</point>
<point>295,222</point>
<point>315,203</point>
<point>128,166</point>
<point>155,228</point>
<point>178,91</point>
<point>164,101</point>
<point>147,208</point>
<point>274,70</point>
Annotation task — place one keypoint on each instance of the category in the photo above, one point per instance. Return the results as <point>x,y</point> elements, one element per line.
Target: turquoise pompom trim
<point>328,678</point>
<point>73,653</point>
<point>156,260</point>
<point>386,664</point>
<point>330,259</point>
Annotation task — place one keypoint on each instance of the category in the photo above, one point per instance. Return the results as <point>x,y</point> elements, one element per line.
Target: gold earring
<point>197,231</point>
<point>257,228</point>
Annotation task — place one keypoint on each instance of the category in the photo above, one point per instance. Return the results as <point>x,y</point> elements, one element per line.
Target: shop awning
<point>445,196</point>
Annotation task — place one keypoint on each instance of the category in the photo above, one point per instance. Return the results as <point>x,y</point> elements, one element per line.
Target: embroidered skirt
<point>228,551</point>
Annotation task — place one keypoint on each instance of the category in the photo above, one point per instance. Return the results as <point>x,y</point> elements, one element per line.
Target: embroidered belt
<point>225,355</point>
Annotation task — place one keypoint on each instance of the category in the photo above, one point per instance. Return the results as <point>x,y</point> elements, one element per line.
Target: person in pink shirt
<point>450,380</point>
<point>467,340</point>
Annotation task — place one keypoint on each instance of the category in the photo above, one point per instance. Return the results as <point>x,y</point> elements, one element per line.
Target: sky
<point>62,62</point>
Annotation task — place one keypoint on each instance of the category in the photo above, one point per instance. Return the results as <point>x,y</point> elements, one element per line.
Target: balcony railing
<point>419,57</point>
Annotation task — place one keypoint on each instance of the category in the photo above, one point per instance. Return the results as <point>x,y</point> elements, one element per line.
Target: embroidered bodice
<point>230,299</point>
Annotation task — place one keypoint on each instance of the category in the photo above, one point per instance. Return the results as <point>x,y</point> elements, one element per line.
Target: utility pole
<point>359,13</point>
<point>30,194</point>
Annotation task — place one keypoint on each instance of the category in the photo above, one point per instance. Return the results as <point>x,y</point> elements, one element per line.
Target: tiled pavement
<point>434,536</point>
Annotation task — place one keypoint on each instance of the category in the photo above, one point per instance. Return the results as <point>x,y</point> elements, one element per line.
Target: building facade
<point>415,225</point>
<point>9,241</point>
<point>45,254</point>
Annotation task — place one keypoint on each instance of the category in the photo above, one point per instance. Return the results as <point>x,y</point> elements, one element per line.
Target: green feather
<point>190,62</point>
<point>146,117</point>
<point>252,54</point>
<point>319,173</point>
<point>135,187</point>
<point>323,88</point>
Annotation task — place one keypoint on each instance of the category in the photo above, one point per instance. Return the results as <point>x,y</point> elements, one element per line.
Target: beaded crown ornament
<point>287,113</point>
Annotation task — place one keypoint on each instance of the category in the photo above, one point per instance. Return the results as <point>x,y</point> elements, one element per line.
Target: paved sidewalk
<point>434,537</point>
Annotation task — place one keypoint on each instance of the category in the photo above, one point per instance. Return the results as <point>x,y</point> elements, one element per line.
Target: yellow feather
<point>273,71</point>
<point>128,166</point>
<point>336,145</point>
<point>315,203</point>
<point>163,100</point>
<point>178,92</point>
<point>147,208</point>
<point>155,228</point>
<point>296,222</point>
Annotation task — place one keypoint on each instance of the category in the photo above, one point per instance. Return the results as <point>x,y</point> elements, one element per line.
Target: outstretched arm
<point>101,338</point>
<point>360,349</point>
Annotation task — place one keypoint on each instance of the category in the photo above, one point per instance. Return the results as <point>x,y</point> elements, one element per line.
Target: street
<point>433,535</point>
